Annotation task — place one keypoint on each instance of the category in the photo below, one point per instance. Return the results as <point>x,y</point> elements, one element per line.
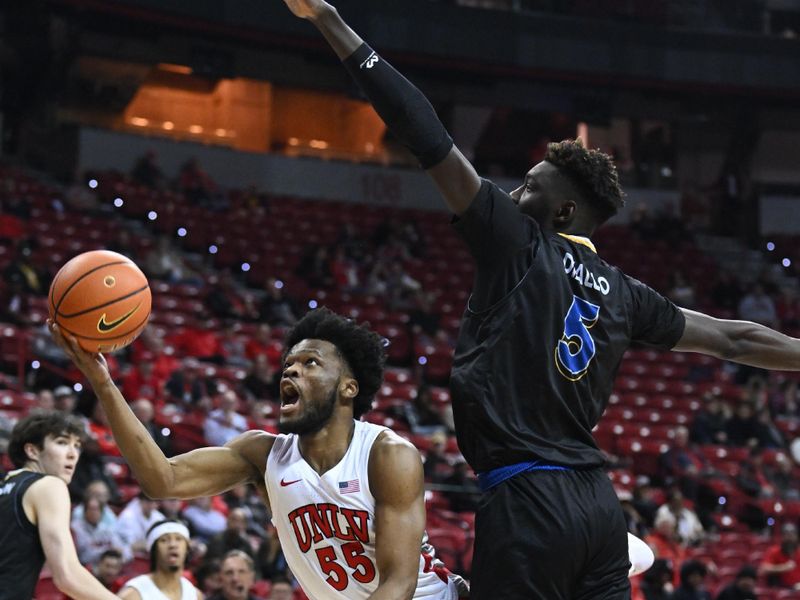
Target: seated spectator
<point>642,222</point>
<point>634,522</point>
<point>164,261</point>
<point>758,307</point>
<point>98,427</point>
<point>315,267</point>
<point>276,308</point>
<point>782,478</point>
<point>224,423</point>
<point>682,464</point>
<point>689,528</point>
<point>99,490</point>
<point>281,589</point>
<point>743,587</point>
<point>238,576</point>
<point>45,401</point>
<point>198,186</point>
<point>270,559</point>
<point>262,382</point>
<point>664,540</point>
<point>256,512</point>
<point>692,587</point>
<point>781,563</point>
<point>262,344</point>
<point>142,382</point>
<point>122,243</point>
<point>92,537</point>
<point>188,386</point>
<point>198,340</point>
<point>726,292</point>
<point>22,270</point>
<point>135,520</point>
<point>233,346</point>
<point>15,303</point>
<point>108,569</point>
<point>147,172</point>
<point>681,292</point>
<point>12,227</point>
<point>233,537</point>
<point>421,413</point>
<point>787,308</point>
<point>225,301</point>
<point>465,498</point>
<point>656,582</point>
<point>209,577</point>
<point>144,411</point>
<point>204,520</point>
<point>751,478</point>
<point>708,426</point>
<point>150,346</point>
<point>743,428</point>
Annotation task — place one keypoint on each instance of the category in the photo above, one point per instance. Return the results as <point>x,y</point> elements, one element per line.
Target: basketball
<point>101,298</point>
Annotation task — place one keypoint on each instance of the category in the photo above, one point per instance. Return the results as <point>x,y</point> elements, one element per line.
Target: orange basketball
<point>102,298</point>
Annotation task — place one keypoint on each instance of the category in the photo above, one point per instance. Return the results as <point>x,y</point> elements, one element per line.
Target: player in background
<point>35,510</point>
<point>545,329</point>
<point>347,497</point>
<point>168,544</point>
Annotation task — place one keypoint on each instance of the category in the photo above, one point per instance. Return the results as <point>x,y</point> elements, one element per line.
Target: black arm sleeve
<point>655,321</point>
<point>405,110</point>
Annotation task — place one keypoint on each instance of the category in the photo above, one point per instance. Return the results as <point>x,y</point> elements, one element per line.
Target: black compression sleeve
<point>405,110</point>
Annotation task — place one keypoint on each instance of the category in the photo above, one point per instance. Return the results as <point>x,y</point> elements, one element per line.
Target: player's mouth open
<point>290,396</point>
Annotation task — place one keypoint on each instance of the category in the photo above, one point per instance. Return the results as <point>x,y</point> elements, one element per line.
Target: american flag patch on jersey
<point>349,487</point>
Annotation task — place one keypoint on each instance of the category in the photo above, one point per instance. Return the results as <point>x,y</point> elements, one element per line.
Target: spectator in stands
<point>657,580</point>
<point>238,576</point>
<point>209,577</point>
<point>122,243</point>
<point>100,491</point>
<point>276,308</point>
<point>233,346</point>
<point>12,227</point>
<point>681,292</point>
<point>788,308</point>
<point>204,520</point>
<point>782,478</point>
<point>261,343</point>
<point>786,400</point>
<point>199,340</point>
<point>682,464</point>
<point>664,540</point>
<point>344,271</point>
<point>188,387</point>
<point>14,303</point>
<point>758,307</point>
<point>465,492</point>
<point>743,587</point>
<point>751,478</point>
<point>163,261</point>
<point>224,423</point>
<point>743,428</point>
<point>689,528</point>
<point>45,401</point>
<point>435,459</point>
<point>92,537</point>
<point>225,301</point>
<point>22,270</point>
<point>147,172</point>
<point>781,563</point>
<point>98,428</point>
<point>108,568</point>
<point>135,520</point>
<point>769,436</point>
<point>642,223</point>
<point>6,427</point>
<point>150,346</point>
<point>65,399</point>
<point>421,413</point>
<point>692,587</point>
<point>281,589</point>
<point>269,556</point>
<point>636,524</point>
<point>233,537</point>
<point>315,267</point>
<point>141,380</point>
<point>256,512</point>
<point>726,293</point>
<point>198,186</point>
<point>708,426</point>
<point>144,411</point>
<point>262,382</point>
<point>79,197</point>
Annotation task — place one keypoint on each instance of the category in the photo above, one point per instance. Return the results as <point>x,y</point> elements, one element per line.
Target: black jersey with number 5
<point>542,338</point>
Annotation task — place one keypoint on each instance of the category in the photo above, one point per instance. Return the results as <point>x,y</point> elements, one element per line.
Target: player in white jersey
<point>347,498</point>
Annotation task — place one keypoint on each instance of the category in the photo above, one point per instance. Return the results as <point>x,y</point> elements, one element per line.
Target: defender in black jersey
<point>35,510</point>
<point>540,343</point>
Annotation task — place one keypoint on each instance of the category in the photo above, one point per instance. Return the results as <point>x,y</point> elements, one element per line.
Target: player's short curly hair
<point>35,428</point>
<point>360,347</point>
<point>592,171</point>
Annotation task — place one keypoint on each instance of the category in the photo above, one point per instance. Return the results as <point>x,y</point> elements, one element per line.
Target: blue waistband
<point>495,477</point>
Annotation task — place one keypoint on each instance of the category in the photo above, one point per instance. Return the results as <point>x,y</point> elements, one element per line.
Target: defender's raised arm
<point>404,109</point>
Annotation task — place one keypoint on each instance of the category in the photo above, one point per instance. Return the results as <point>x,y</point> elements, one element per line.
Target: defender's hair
<point>34,430</point>
<point>361,348</point>
<point>593,172</point>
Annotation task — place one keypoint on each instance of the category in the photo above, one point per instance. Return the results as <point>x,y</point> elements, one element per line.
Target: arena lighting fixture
<point>293,141</point>
<point>152,215</point>
<point>770,246</point>
<point>786,262</point>
<point>140,121</point>
<point>182,232</point>
<point>195,129</point>
<point>312,304</point>
<point>35,364</point>
<point>212,249</point>
<point>78,387</point>
<point>219,132</point>
<point>173,68</point>
<point>168,125</point>
<point>245,267</point>
<point>318,144</point>
<point>118,202</point>
<point>93,183</point>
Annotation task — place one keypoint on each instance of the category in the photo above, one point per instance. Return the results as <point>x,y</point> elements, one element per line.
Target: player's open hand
<point>92,365</point>
<point>307,9</point>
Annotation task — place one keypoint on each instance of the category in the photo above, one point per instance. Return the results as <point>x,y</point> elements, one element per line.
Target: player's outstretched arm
<point>202,472</point>
<point>404,109</point>
<point>397,483</point>
<point>49,502</point>
<point>742,342</point>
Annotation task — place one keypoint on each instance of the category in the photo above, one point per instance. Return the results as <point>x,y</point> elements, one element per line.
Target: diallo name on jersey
<point>584,276</point>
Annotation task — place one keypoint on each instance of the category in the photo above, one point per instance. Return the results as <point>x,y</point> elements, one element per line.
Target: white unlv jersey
<point>326,523</point>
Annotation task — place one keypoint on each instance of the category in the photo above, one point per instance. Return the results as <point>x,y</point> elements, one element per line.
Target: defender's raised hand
<point>93,366</point>
<point>307,9</point>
